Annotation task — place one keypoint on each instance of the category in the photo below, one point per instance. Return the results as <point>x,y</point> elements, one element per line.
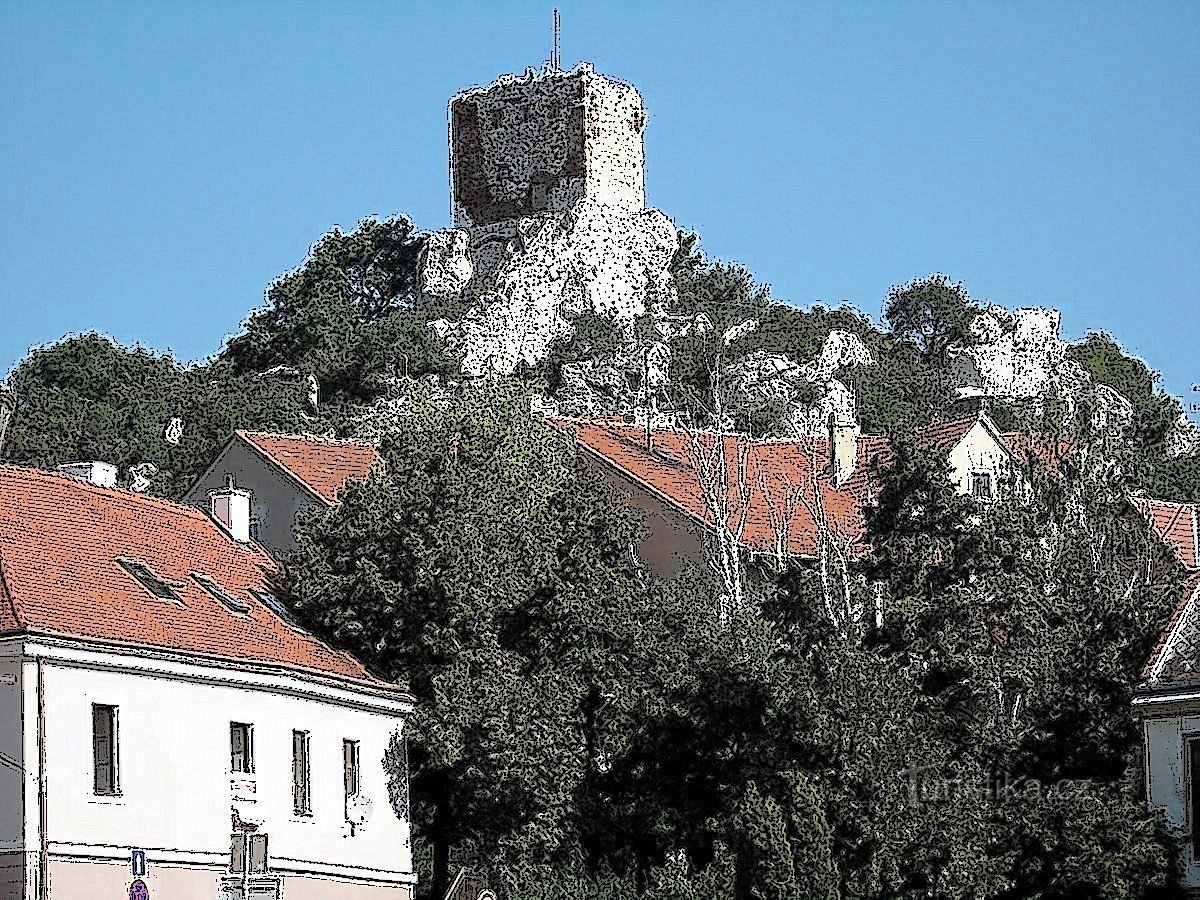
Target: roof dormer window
<point>220,593</point>
<point>277,606</point>
<point>147,579</point>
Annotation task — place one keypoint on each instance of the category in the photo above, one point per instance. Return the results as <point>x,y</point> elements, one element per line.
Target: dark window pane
<point>277,606</point>
<point>237,853</point>
<point>241,747</point>
<point>104,749</point>
<point>301,803</point>
<point>350,767</point>
<point>149,580</point>
<point>1194,778</point>
<point>258,853</point>
<point>220,593</point>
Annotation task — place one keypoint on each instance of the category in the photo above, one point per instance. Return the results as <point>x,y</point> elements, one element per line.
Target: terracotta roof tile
<point>774,492</point>
<point>323,465</point>
<point>1176,524</point>
<point>1176,656</point>
<point>61,546</point>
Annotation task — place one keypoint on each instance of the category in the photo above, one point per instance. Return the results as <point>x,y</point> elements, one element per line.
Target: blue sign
<point>138,890</point>
<point>137,863</point>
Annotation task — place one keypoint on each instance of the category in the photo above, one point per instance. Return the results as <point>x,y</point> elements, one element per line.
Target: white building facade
<point>194,746</point>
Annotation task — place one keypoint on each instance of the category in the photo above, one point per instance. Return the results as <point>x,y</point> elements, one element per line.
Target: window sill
<point>107,799</point>
<point>305,818</point>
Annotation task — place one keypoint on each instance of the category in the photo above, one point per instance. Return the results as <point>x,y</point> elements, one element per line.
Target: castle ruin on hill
<point>550,217</point>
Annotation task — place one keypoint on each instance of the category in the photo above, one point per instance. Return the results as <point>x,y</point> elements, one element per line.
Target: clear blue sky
<point>161,162</point>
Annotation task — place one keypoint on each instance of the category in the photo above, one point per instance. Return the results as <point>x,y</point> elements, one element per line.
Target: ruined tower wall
<point>541,143</point>
<point>615,159</point>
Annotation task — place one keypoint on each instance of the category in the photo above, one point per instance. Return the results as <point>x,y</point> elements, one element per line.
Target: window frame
<point>247,748</point>
<point>351,769</point>
<point>302,804</point>
<point>209,585</point>
<point>150,581</point>
<point>1192,770</point>
<point>113,754</point>
<point>986,478</point>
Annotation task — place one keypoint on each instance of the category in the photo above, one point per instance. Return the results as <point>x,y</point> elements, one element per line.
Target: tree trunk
<point>440,882</point>
<point>743,876</point>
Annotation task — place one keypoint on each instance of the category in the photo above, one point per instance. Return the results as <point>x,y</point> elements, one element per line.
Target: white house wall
<point>977,452</point>
<point>276,498</point>
<point>12,773</point>
<point>175,785</point>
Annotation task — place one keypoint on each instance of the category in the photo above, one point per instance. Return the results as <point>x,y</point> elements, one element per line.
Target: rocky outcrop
<point>529,278</point>
<point>797,398</point>
<point>1020,355</point>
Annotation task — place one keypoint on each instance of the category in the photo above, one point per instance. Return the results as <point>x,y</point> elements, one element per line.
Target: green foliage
<point>348,315</point>
<point>1022,627</point>
<point>88,398</point>
<point>490,568</point>
<point>933,312</point>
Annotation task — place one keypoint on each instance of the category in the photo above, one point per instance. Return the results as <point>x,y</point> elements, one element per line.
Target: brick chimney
<point>843,451</point>
<point>101,474</point>
<point>231,508</point>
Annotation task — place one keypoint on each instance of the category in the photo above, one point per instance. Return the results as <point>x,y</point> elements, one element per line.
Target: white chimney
<point>231,508</point>
<point>843,451</point>
<point>101,474</point>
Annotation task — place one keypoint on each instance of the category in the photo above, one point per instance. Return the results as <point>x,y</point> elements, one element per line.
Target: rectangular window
<point>147,579</point>
<point>981,486</point>
<point>1194,799</point>
<point>350,767</point>
<point>301,782</point>
<point>258,854</point>
<point>241,747</point>
<point>219,593</point>
<point>104,750</point>
<point>247,848</point>
<point>237,853</point>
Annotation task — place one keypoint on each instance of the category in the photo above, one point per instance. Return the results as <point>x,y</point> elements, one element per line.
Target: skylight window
<point>276,606</point>
<point>149,580</point>
<point>220,593</point>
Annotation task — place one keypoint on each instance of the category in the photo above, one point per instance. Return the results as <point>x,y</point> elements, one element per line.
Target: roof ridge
<point>118,493</point>
<point>759,439</point>
<point>309,439</point>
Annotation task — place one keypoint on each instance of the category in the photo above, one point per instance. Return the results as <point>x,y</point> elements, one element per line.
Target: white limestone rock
<point>446,263</point>
<point>534,275</point>
<point>799,398</point>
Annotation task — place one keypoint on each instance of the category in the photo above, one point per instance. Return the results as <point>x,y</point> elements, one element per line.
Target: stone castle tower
<point>550,220</point>
<point>539,144</point>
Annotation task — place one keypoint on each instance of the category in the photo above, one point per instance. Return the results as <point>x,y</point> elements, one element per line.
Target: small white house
<point>1169,698</point>
<point>286,473</point>
<point>165,730</point>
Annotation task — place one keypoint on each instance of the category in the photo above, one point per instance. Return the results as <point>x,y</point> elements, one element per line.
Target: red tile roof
<point>1177,524</point>
<point>1176,656</point>
<point>323,465</point>
<point>61,545</point>
<point>779,477</point>
<point>1044,448</point>
<point>770,483</point>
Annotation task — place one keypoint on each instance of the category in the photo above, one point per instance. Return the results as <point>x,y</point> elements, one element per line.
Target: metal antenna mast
<point>555,60</point>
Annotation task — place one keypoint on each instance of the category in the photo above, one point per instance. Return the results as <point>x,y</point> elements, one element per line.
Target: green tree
<point>88,398</point>
<point>1023,627</point>
<point>933,312</point>
<point>348,315</point>
<point>487,565</point>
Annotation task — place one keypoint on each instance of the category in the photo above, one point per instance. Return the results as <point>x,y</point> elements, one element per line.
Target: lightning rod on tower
<point>554,57</point>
